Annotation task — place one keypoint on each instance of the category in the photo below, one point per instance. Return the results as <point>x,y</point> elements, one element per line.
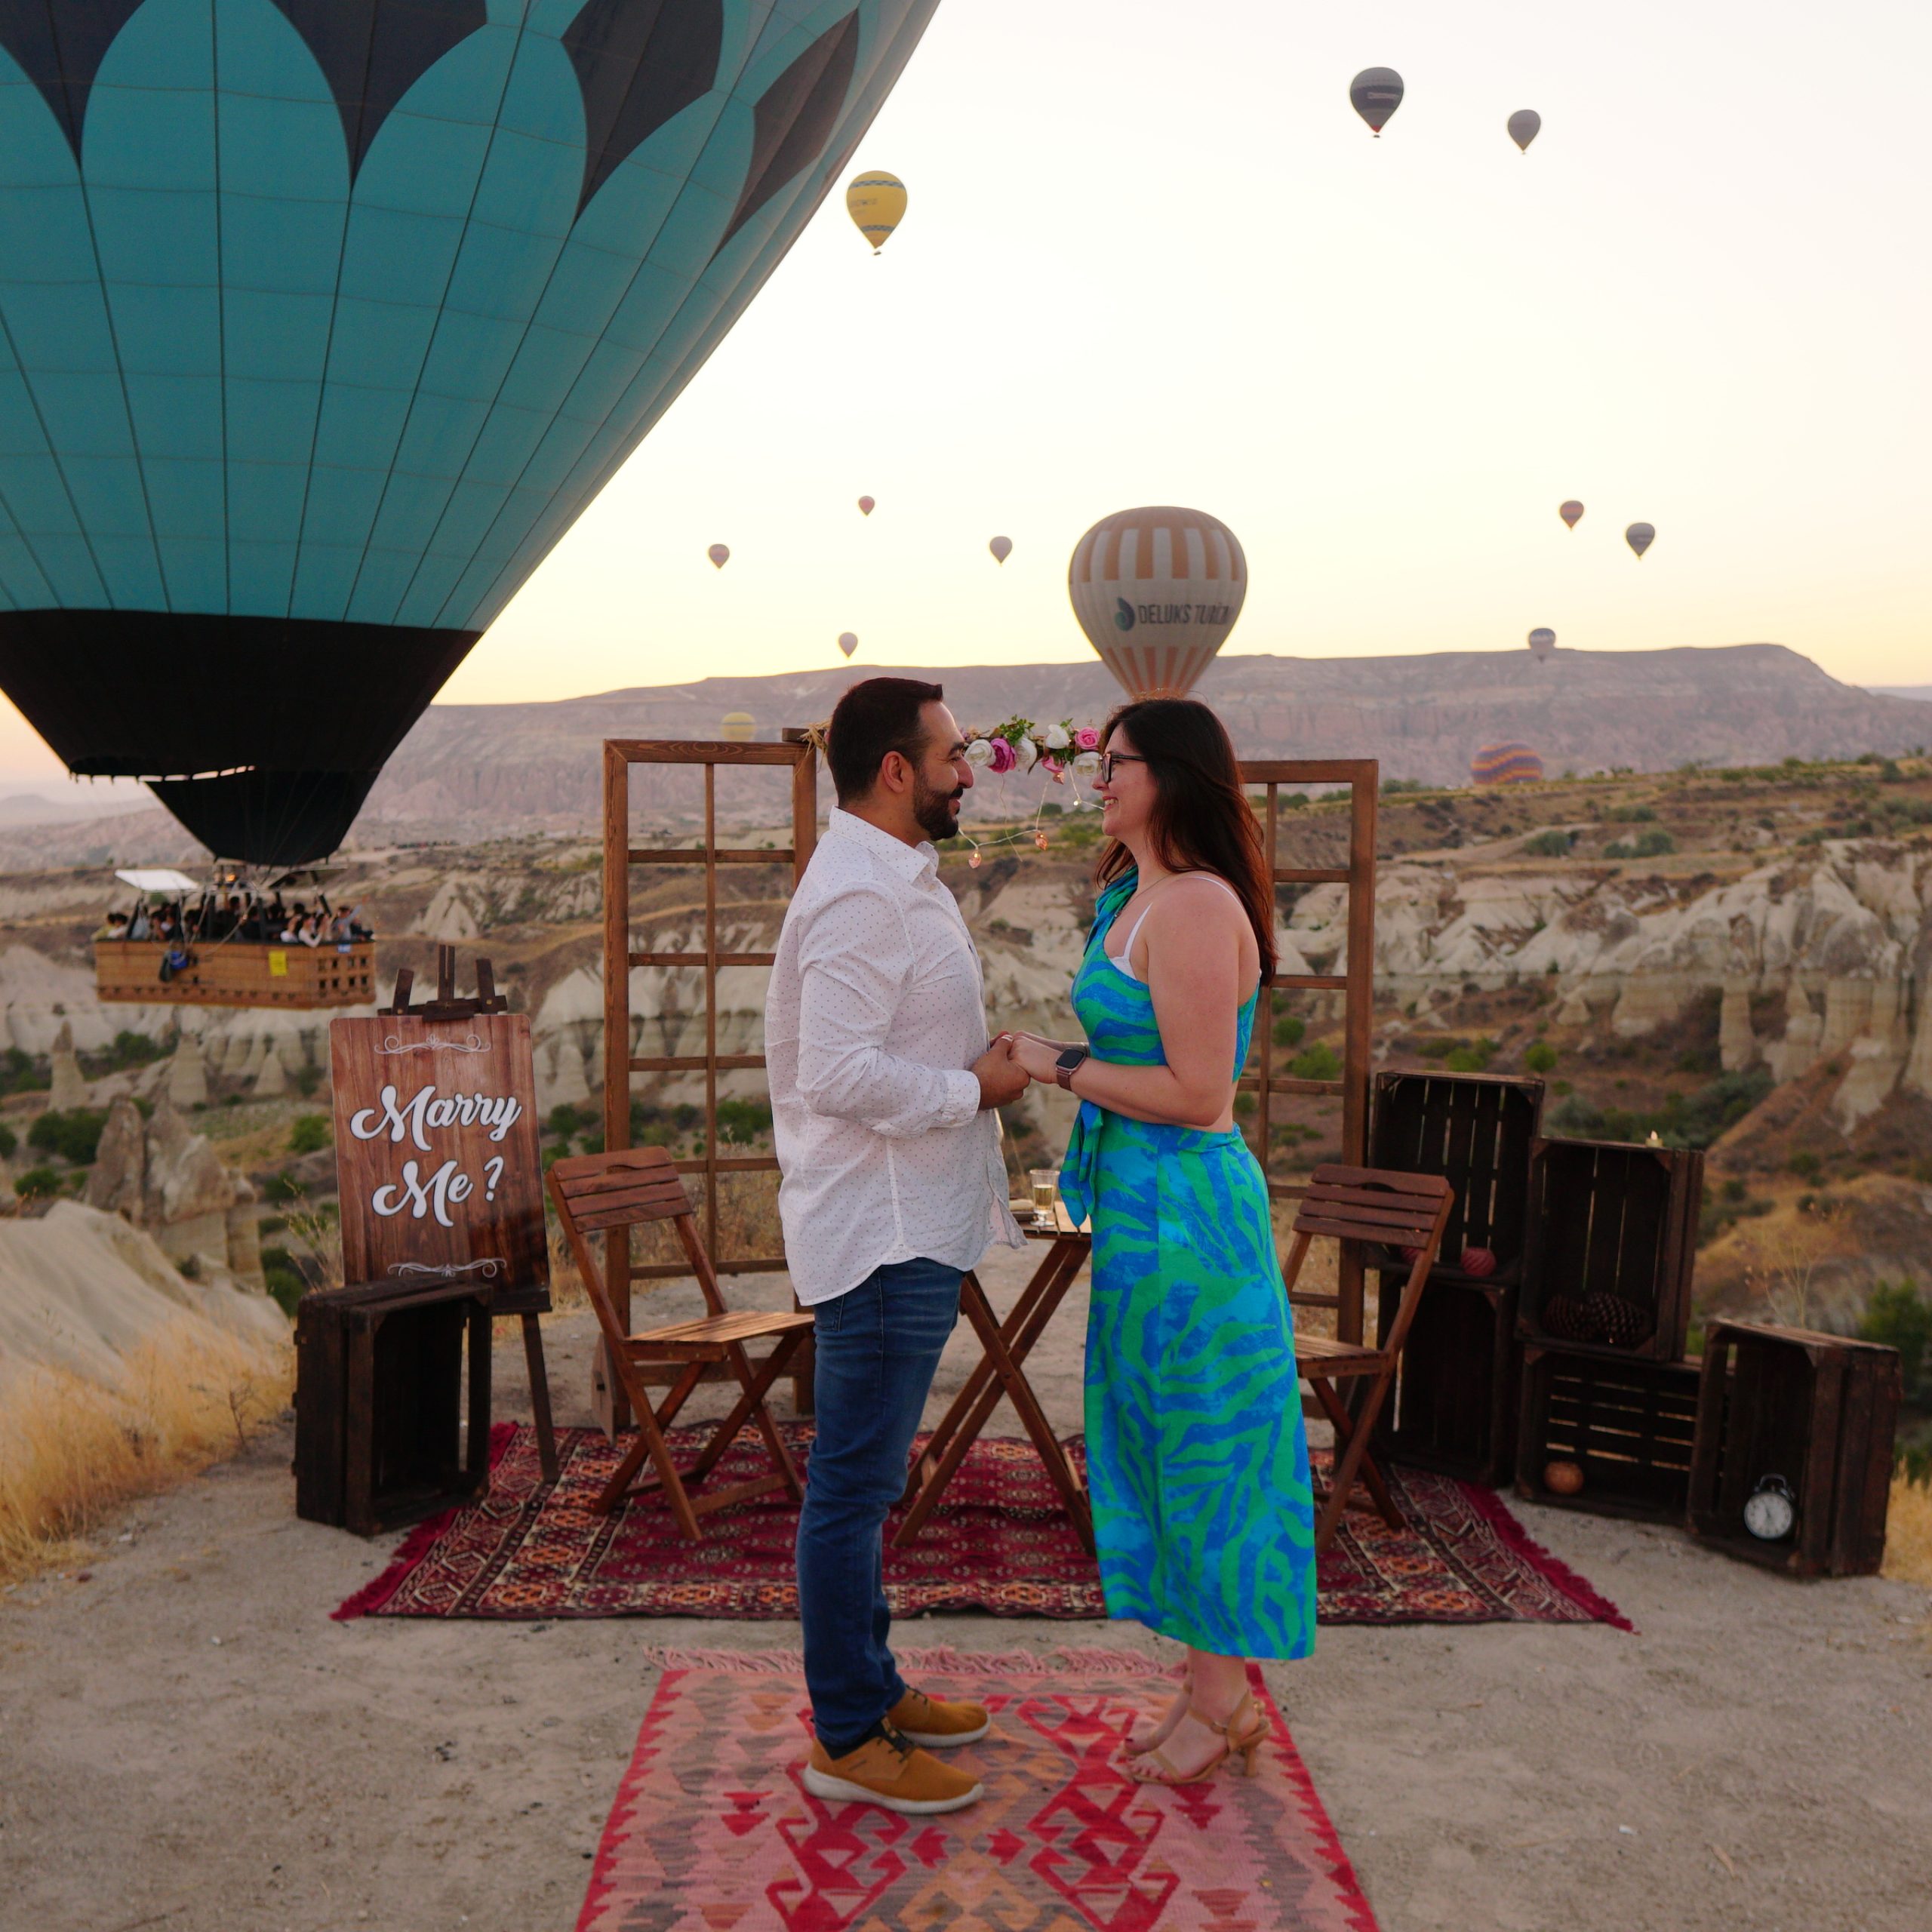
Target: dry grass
<point>1909,1533</point>
<point>72,1451</point>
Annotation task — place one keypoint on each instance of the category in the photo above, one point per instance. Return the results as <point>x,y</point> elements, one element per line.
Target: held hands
<point>1039,1057</point>
<point>1002,1079</point>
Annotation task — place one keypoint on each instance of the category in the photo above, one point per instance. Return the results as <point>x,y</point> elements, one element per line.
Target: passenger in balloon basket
<point>892,1185</point>
<point>1197,1461</point>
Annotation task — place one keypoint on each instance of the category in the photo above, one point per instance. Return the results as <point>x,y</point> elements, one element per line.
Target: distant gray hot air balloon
<point>1542,641</point>
<point>1375,94</point>
<point>1002,548</point>
<point>1524,125</point>
<point>1571,512</point>
<point>1640,537</point>
<point>719,554</point>
<point>848,641</point>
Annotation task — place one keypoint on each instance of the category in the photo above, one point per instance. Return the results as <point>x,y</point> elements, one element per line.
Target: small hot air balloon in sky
<point>1375,94</point>
<point>1571,512</point>
<point>1002,548</point>
<point>876,202</point>
<point>286,429</point>
<point>848,641</point>
<point>1542,641</point>
<point>719,554</point>
<point>738,726</point>
<point>865,505</point>
<point>1640,537</point>
<point>1157,591</point>
<point>1524,125</point>
<point>1508,763</point>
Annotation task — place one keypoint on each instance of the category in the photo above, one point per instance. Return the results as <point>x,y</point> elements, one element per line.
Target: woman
<point>1197,1460</point>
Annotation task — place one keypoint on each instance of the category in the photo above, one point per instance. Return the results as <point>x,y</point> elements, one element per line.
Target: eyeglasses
<point>1109,759</point>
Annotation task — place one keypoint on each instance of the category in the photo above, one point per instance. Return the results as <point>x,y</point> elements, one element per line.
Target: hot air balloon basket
<point>1611,1245</point>
<point>1626,1427</point>
<point>1453,1407</point>
<point>1816,1413</point>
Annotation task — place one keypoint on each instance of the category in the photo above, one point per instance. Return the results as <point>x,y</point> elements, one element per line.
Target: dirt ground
<point>187,1741</point>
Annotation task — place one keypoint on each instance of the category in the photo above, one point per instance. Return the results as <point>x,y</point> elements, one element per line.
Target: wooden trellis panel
<point>620,857</point>
<point>1362,776</point>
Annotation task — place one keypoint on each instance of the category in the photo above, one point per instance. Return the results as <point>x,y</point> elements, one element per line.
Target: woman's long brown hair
<point>1201,821</point>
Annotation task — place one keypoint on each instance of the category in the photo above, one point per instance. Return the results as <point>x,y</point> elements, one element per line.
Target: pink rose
<point>1052,767</point>
<point>1004,759</point>
<point>1087,739</point>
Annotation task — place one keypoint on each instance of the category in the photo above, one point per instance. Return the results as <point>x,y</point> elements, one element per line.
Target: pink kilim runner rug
<point>713,1831</point>
<point>1000,1543</point>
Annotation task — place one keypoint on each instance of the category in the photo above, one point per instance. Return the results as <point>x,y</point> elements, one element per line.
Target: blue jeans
<point>878,1347</point>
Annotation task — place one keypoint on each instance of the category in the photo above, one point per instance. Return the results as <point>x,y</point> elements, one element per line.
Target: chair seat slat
<point>1334,1173</point>
<point>1352,1227</point>
<point>742,1325</point>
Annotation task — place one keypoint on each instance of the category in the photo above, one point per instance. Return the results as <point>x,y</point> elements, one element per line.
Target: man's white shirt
<point>876,1010</point>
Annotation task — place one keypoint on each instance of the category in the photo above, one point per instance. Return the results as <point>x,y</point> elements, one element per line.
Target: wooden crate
<point>379,1436</point>
<point>1476,1130</point>
<point>1628,1423</point>
<point>1613,1240</point>
<point>1454,1404</point>
<point>1818,1411</point>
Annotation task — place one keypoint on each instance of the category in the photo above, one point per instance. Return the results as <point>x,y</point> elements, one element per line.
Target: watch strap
<point>1069,1064</point>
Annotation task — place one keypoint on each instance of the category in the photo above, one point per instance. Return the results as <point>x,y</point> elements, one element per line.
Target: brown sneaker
<point>937,1725</point>
<point>889,1771</point>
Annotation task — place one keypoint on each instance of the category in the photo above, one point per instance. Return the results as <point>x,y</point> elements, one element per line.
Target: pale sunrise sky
<point>1152,256</point>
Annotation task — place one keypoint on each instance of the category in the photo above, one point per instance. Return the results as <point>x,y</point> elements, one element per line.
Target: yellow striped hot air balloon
<point>1508,763</point>
<point>740,726</point>
<point>1157,591</point>
<point>876,202</point>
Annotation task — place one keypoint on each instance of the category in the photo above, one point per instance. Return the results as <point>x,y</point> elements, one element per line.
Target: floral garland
<point>1063,750</point>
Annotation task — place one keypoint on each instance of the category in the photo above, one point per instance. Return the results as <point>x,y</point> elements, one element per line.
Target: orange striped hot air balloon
<point>1506,763</point>
<point>1157,591</point>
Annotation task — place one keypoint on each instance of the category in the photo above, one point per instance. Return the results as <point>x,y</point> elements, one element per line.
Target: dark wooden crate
<point>1476,1130</point>
<point>1629,1424</point>
<point>1613,1239</point>
<point>1454,1404</point>
<point>1817,1410</point>
<point>379,1437</point>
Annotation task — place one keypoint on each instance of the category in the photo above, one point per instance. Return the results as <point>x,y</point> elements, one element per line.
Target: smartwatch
<point>1069,1063</point>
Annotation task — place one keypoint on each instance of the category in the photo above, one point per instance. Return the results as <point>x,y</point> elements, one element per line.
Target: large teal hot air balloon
<point>324,319</point>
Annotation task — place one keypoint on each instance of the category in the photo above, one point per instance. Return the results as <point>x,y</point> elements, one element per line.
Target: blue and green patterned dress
<point>1196,1457</point>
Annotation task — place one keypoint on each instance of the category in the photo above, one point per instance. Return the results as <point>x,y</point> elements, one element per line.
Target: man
<point>882,1088</point>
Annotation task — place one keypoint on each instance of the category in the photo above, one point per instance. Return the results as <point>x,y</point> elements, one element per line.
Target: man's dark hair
<point>875,716</point>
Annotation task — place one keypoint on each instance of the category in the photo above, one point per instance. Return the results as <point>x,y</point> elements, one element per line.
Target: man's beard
<point>934,809</point>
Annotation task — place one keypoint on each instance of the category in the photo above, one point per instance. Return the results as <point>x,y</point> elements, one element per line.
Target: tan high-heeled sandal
<point>1161,1732</point>
<point>1245,1745</point>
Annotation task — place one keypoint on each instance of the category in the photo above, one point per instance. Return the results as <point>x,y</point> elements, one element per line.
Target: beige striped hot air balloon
<point>739,726</point>
<point>1157,591</point>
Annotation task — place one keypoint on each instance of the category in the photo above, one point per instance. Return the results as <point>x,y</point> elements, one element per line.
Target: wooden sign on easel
<point>437,1160</point>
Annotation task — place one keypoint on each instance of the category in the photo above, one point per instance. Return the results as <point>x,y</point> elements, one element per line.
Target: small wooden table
<point>1000,1372</point>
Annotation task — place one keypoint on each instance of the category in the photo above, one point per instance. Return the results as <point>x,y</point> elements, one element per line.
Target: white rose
<point>979,754</point>
<point>1058,737</point>
<point>1087,765</point>
<point>1027,752</point>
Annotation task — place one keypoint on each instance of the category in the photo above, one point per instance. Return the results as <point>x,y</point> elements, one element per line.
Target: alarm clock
<point>1769,1511</point>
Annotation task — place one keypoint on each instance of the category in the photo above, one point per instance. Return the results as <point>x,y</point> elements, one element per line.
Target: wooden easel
<point>525,1300</point>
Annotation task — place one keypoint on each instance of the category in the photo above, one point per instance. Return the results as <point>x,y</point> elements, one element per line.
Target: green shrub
<point>1539,1057</point>
<point>565,1120</point>
<point>1553,843</point>
<point>742,1121</point>
<point>1289,1029</point>
<point>40,1183</point>
<point>1900,1318</point>
<point>21,1073</point>
<point>1806,1165</point>
<point>1630,815</point>
<point>1473,1057</point>
<point>284,1187</point>
<point>1654,844</point>
<point>1318,1062</point>
<point>10,1142</point>
<point>310,1134</point>
<point>74,1136</point>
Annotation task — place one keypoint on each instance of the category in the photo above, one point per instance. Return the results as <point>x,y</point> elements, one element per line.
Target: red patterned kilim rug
<point>1000,1543</point>
<point>712,1828</point>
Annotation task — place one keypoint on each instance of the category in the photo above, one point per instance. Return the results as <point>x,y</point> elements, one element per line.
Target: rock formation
<point>162,1177</point>
<point>187,1081</point>
<point>69,1088</point>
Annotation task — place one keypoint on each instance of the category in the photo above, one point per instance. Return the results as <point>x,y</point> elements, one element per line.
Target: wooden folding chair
<point>597,1192</point>
<point>1364,1204</point>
